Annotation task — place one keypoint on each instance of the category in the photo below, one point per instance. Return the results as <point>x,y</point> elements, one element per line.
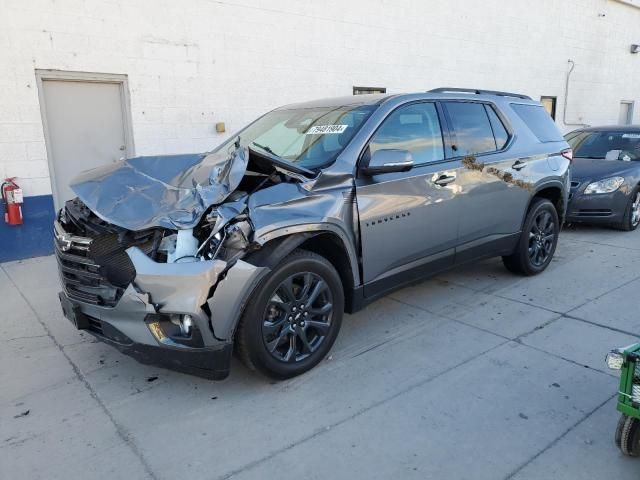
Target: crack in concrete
<point>461,322</point>
<point>517,339</point>
<point>596,324</point>
<point>26,337</point>
<point>320,431</point>
<point>597,297</point>
<point>120,430</point>
<point>605,244</point>
<point>554,442</point>
<point>542,326</point>
<point>560,357</point>
<point>529,304</point>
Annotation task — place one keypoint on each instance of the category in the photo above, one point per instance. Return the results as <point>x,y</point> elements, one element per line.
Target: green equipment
<point>627,360</point>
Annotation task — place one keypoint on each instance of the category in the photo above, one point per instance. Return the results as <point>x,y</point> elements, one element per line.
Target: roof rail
<point>479,92</point>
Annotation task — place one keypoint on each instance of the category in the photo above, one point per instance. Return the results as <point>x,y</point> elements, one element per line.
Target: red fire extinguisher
<point>12,198</point>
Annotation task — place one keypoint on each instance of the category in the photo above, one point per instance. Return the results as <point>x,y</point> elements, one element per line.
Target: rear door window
<point>471,127</point>
<point>538,121</point>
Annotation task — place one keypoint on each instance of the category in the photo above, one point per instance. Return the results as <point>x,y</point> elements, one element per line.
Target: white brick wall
<point>196,62</point>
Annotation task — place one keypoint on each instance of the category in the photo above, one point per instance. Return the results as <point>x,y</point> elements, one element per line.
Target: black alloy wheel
<point>541,238</point>
<point>297,317</point>
<point>293,316</point>
<point>538,240</point>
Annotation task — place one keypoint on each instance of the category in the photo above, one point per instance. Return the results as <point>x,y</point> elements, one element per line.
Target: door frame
<point>630,111</point>
<point>71,76</point>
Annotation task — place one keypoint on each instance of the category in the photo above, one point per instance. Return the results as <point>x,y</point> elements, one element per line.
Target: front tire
<point>538,240</point>
<point>618,436</point>
<point>631,218</point>
<point>630,437</point>
<point>294,317</point>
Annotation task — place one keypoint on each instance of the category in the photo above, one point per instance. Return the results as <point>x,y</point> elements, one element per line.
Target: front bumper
<point>604,208</point>
<point>138,322</point>
<point>211,362</point>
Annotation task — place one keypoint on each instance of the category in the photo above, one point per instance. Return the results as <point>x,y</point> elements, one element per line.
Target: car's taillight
<point>568,154</point>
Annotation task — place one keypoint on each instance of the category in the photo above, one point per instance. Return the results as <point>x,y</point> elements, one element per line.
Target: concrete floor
<point>476,373</point>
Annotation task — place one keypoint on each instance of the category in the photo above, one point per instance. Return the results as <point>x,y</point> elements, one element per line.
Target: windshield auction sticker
<point>326,129</point>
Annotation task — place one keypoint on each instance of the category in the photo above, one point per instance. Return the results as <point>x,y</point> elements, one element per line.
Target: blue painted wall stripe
<point>34,237</point>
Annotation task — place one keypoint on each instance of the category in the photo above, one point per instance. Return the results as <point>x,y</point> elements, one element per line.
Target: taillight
<point>568,154</point>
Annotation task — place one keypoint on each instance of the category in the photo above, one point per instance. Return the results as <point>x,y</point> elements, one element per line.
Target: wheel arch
<point>330,243</point>
<point>554,193</point>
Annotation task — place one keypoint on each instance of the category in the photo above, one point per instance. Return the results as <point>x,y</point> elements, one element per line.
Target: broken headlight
<point>226,242</point>
<point>229,243</point>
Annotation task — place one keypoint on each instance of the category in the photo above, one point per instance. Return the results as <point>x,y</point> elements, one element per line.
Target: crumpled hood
<point>171,191</point>
<point>595,169</point>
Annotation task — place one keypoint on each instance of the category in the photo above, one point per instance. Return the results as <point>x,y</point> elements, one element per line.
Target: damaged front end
<point>147,294</point>
<point>150,291</point>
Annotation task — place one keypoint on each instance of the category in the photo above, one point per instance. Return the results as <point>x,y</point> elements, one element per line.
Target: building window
<point>549,104</point>
<point>626,113</point>
<point>365,90</point>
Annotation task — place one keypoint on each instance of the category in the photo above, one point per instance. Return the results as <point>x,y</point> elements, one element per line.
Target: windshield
<point>605,145</point>
<point>308,137</point>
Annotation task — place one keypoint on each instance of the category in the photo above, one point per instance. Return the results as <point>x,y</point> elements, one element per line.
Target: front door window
<point>415,128</point>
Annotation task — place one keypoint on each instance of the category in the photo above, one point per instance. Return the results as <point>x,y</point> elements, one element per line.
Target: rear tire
<point>538,240</point>
<point>294,317</point>
<point>631,218</point>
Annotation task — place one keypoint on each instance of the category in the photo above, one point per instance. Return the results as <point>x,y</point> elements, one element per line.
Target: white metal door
<point>85,126</point>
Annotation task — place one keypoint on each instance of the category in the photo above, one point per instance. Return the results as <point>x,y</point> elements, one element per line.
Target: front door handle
<point>443,180</point>
<point>519,165</point>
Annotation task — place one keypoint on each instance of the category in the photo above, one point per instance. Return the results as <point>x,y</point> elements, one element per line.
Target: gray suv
<point>314,209</point>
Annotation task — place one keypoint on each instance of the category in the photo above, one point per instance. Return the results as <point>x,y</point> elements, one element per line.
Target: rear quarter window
<point>538,121</point>
<point>499,131</point>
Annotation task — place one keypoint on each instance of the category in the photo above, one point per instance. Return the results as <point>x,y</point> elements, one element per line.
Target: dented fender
<point>175,287</point>
<point>231,296</point>
<point>292,209</point>
<point>185,287</point>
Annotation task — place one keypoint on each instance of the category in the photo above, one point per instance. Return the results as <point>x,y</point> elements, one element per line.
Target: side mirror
<point>388,161</point>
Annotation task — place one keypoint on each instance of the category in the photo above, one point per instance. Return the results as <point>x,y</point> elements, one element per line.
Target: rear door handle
<point>443,180</point>
<point>519,165</point>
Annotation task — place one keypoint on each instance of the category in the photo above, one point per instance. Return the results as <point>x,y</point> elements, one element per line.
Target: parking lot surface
<point>476,373</point>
